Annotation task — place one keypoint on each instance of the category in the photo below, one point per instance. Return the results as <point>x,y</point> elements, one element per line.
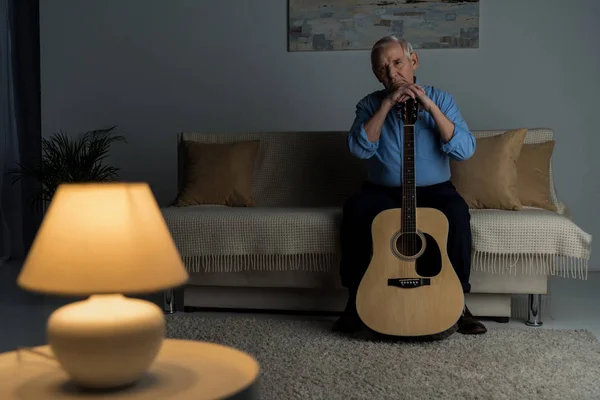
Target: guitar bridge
<point>409,283</point>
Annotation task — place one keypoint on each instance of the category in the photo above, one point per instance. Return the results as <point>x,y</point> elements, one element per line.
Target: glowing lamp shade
<point>104,240</point>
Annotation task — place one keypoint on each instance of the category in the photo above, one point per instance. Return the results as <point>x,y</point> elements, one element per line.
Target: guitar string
<point>406,182</point>
<point>410,186</point>
<point>405,244</point>
<point>413,187</point>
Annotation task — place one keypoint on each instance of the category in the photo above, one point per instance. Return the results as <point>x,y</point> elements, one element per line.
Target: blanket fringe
<point>262,262</point>
<point>539,264</point>
<point>528,264</point>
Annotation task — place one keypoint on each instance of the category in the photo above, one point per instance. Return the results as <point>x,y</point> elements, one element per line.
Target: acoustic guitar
<point>410,288</point>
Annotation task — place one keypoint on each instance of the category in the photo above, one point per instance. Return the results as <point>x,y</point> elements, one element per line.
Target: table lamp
<point>104,240</point>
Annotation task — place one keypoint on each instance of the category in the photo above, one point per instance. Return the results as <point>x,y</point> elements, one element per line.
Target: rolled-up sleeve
<point>462,144</point>
<point>358,143</point>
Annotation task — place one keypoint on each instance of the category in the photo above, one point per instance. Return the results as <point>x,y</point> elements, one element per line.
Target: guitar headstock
<point>409,110</point>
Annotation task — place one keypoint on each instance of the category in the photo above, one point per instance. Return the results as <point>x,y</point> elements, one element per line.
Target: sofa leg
<point>169,301</point>
<point>173,300</point>
<point>535,302</point>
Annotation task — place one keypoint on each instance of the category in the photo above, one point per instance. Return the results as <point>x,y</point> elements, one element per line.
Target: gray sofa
<point>283,253</point>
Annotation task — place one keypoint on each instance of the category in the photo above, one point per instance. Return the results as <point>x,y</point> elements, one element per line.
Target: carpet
<point>304,359</point>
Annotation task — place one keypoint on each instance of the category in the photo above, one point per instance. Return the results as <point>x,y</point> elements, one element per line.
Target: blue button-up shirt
<point>432,155</point>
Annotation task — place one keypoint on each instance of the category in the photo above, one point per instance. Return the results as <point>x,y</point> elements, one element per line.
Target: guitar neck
<point>409,192</point>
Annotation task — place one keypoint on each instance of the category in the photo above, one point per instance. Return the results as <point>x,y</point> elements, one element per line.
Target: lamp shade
<point>102,238</point>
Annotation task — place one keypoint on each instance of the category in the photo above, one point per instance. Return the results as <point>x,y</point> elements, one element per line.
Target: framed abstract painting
<point>330,25</point>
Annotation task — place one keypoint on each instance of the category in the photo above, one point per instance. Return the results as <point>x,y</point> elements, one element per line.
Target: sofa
<point>256,221</point>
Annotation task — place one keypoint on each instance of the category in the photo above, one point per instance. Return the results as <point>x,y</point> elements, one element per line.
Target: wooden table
<point>183,369</point>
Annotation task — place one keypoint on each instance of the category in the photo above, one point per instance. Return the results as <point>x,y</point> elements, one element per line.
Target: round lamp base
<point>106,341</point>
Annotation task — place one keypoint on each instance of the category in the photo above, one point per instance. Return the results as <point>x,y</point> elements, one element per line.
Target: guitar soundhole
<point>409,244</point>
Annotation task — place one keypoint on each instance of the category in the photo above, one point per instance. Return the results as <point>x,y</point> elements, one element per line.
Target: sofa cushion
<point>489,178</point>
<point>533,169</point>
<point>219,173</point>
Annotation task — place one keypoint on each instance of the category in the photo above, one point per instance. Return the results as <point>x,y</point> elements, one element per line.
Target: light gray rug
<point>303,359</point>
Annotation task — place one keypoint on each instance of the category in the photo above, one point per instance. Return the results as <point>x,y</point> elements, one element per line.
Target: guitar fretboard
<point>409,194</point>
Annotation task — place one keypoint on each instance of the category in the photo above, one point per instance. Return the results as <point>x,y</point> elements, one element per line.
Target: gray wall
<point>156,68</point>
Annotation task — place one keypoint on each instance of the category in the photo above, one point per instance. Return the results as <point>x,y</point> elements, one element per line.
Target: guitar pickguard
<point>429,264</point>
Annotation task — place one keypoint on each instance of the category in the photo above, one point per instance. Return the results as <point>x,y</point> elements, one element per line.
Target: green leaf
<point>66,160</point>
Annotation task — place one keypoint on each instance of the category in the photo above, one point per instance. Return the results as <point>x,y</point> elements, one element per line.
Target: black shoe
<point>348,324</point>
<point>349,321</point>
<point>468,325</point>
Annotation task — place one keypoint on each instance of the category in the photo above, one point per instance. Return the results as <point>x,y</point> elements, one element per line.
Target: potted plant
<point>71,160</point>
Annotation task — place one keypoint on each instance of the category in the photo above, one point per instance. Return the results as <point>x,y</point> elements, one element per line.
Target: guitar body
<point>410,287</point>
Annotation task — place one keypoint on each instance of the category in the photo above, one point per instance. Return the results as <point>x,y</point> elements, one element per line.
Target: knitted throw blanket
<point>221,239</point>
<point>539,241</point>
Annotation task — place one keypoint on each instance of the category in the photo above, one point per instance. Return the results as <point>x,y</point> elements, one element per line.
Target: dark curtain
<point>20,218</point>
<point>28,105</point>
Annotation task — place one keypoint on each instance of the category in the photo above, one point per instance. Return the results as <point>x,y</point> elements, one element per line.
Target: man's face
<point>392,67</point>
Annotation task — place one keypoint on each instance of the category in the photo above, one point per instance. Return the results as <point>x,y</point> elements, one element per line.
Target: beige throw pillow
<point>533,170</point>
<point>219,173</point>
<point>489,178</point>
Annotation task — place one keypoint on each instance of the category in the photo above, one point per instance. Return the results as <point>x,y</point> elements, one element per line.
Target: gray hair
<point>408,49</point>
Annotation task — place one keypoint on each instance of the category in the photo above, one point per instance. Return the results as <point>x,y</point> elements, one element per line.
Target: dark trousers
<point>361,208</point>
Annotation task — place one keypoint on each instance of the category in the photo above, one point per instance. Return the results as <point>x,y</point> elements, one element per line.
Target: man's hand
<point>405,91</point>
<point>411,90</point>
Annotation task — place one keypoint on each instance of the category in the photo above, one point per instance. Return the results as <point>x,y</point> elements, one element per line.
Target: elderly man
<point>441,134</point>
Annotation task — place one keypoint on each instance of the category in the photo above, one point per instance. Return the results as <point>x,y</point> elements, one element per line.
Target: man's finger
<point>417,88</point>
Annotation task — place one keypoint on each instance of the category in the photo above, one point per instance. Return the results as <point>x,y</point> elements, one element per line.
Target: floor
<point>573,304</point>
